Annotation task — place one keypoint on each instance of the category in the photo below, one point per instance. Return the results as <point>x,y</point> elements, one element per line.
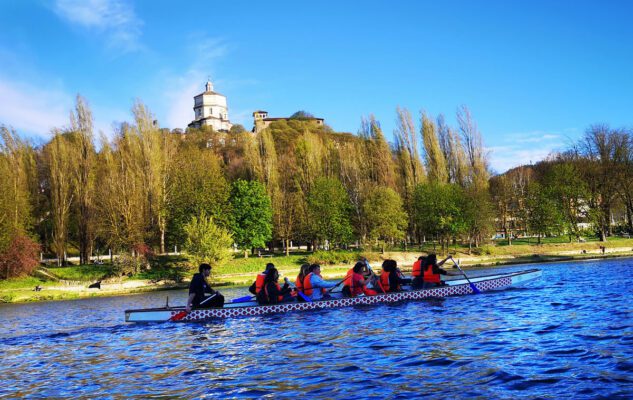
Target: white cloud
<point>180,88</point>
<point>113,18</point>
<point>503,158</point>
<point>33,109</point>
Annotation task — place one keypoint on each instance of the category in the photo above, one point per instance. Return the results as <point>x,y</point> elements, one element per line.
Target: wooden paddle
<point>472,285</point>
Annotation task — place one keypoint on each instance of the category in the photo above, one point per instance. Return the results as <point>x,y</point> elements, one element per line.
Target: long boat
<point>251,308</point>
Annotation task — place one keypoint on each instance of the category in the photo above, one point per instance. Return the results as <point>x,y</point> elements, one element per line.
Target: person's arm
<point>190,301</point>
<point>318,282</point>
<point>253,288</point>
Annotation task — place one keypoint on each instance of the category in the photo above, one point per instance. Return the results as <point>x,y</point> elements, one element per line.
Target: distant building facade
<point>211,110</point>
<point>261,120</point>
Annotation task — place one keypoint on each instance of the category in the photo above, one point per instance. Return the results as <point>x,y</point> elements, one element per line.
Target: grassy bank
<point>61,283</point>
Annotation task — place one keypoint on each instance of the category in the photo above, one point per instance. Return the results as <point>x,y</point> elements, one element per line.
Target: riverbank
<point>241,272</point>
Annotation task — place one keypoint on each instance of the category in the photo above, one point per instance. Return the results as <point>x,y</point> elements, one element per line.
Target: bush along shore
<point>173,272</point>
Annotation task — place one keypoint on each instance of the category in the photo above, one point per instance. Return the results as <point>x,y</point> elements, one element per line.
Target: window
<point>210,111</point>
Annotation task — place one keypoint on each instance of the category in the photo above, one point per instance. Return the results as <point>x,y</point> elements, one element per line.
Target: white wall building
<point>210,110</point>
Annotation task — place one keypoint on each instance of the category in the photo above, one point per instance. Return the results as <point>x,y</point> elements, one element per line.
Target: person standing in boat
<point>271,292</point>
<point>199,288</point>
<point>391,279</point>
<point>259,280</point>
<point>314,286</point>
<point>355,284</point>
<point>432,271</point>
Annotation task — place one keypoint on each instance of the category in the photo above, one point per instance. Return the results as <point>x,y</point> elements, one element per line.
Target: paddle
<point>472,285</point>
<point>242,299</point>
<point>335,286</point>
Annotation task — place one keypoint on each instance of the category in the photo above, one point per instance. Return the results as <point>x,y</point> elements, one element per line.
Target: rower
<point>303,272</point>
<point>432,271</point>
<point>198,289</point>
<point>354,283</point>
<point>391,279</point>
<point>417,274</point>
<point>271,292</point>
<point>314,286</point>
<point>259,280</point>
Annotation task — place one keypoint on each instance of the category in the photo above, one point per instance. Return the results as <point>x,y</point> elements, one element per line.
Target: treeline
<point>149,189</point>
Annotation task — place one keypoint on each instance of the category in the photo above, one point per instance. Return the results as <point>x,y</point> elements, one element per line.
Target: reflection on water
<point>567,335</point>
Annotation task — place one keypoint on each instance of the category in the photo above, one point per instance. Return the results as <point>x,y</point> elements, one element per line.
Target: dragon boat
<point>251,308</point>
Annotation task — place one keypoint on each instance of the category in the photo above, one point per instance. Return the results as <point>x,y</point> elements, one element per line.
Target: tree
<point>543,213</point>
<point>569,190</point>
<point>329,207</point>
<point>237,128</point>
<point>251,215</point>
<point>301,115</point>
<point>438,211</point>
<point>83,175</point>
<point>20,258</point>
<point>379,153</point>
<point>435,160</point>
<point>207,242</point>
<point>59,174</point>
<point>385,216</point>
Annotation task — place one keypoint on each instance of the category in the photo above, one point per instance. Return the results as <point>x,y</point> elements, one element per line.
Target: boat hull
<point>453,288</point>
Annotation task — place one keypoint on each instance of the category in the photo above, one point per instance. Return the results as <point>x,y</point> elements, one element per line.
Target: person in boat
<point>314,286</point>
<point>371,279</point>
<point>259,280</point>
<point>355,284</point>
<point>417,274</point>
<point>391,278</point>
<point>432,271</point>
<point>271,292</point>
<point>303,272</point>
<point>200,293</point>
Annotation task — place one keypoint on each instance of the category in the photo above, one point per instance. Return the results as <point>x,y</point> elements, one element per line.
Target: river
<point>568,335</point>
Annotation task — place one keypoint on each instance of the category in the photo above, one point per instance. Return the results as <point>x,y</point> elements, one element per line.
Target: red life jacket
<point>259,282</point>
<point>417,269</point>
<point>384,282</point>
<point>299,283</point>
<point>307,285</point>
<point>355,288</point>
<point>429,276</point>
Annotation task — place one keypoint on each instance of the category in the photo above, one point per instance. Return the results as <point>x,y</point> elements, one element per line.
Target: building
<point>261,120</point>
<point>210,110</point>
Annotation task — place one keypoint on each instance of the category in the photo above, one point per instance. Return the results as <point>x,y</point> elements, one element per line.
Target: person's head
<point>204,269</point>
<point>389,265</point>
<point>269,266</point>
<point>431,259</point>
<point>305,270</point>
<point>358,267</point>
<point>315,268</point>
<point>272,275</point>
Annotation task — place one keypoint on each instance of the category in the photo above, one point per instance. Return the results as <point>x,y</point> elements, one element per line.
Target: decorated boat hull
<point>230,310</point>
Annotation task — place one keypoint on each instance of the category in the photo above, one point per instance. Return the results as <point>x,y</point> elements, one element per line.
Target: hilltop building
<point>210,110</point>
<point>261,120</point>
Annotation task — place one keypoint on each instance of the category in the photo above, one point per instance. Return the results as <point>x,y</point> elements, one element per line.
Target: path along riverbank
<point>66,290</point>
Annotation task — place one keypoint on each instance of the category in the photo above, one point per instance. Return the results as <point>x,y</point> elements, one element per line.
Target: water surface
<point>568,335</point>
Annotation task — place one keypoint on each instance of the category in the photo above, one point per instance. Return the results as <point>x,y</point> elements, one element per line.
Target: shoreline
<point>130,287</point>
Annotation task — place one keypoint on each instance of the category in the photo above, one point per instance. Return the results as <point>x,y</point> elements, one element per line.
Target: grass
<point>87,273</point>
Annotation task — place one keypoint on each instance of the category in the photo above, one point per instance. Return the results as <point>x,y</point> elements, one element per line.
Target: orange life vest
<point>417,269</point>
<point>259,282</point>
<point>299,283</point>
<point>429,276</point>
<point>307,285</point>
<point>384,282</point>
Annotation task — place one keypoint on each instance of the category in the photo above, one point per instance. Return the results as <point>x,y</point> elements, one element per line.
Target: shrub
<point>207,242</point>
<point>20,258</point>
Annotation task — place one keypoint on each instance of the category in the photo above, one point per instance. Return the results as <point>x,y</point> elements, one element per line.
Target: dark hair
<point>421,258</point>
<point>431,260</point>
<point>271,275</point>
<point>269,266</point>
<point>313,267</point>
<point>389,265</point>
<point>359,267</point>
<point>304,270</point>
<point>204,266</point>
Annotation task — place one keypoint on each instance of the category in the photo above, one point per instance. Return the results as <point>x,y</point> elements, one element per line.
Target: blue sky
<point>535,74</point>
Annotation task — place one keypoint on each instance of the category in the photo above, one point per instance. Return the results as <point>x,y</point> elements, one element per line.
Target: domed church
<point>210,110</point>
